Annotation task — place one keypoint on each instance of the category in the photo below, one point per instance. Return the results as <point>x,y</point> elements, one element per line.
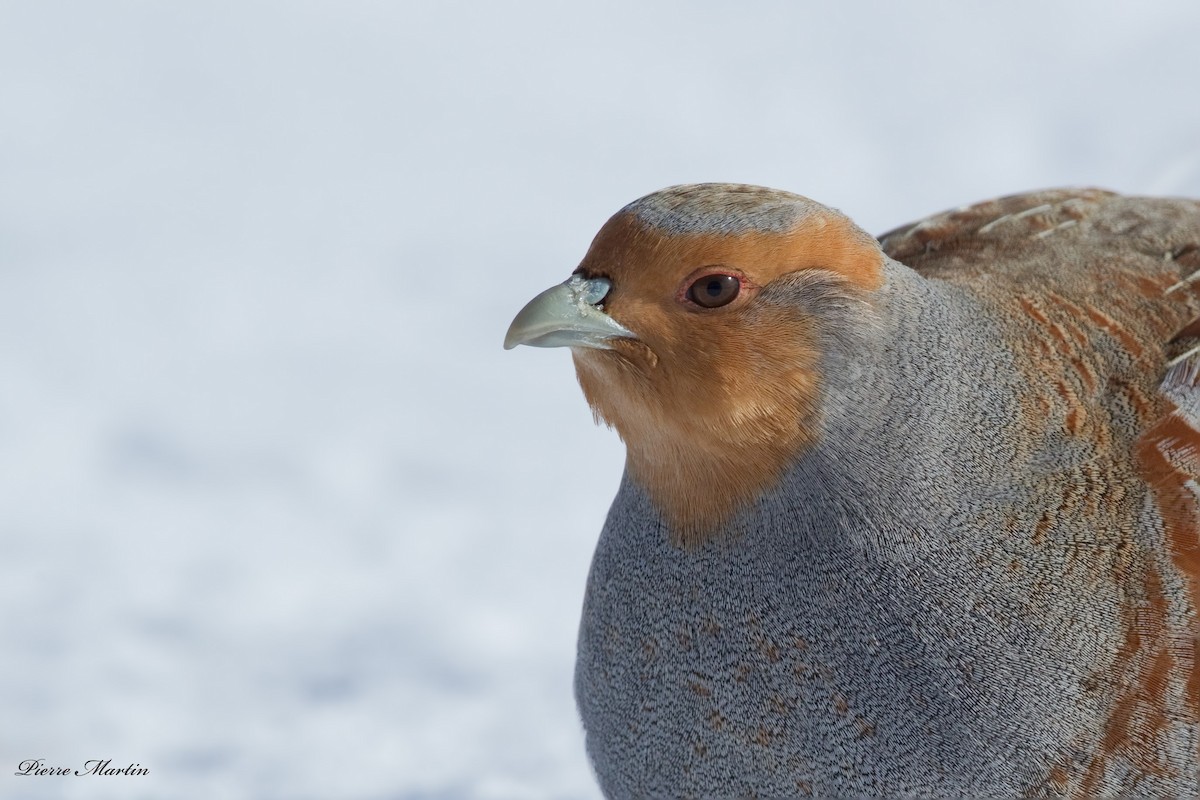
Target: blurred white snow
<point>279,518</point>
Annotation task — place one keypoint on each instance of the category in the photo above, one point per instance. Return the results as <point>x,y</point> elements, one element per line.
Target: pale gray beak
<point>567,316</point>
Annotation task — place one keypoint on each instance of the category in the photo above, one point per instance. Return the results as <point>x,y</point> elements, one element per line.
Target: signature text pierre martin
<point>37,766</point>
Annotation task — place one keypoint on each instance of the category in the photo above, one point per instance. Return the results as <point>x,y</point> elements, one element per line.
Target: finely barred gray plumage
<point>909,517</point>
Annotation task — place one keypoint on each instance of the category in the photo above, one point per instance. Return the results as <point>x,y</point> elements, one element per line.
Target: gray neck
<point>908,420</point>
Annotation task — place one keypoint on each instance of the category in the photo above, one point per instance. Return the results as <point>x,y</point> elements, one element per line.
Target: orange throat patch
<point>702,450</point>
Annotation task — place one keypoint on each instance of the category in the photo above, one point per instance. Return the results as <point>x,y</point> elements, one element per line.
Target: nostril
<point>591,290</point>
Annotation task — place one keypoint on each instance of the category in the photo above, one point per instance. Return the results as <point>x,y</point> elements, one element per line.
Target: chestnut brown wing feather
<point>1008,238</point>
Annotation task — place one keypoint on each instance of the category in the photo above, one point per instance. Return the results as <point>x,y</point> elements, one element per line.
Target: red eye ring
<point>714,290</point>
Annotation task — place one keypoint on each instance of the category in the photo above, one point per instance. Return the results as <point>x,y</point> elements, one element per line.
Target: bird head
<point>698,322</point>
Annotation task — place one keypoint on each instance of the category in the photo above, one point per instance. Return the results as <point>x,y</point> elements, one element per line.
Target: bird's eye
<point>712,291</point>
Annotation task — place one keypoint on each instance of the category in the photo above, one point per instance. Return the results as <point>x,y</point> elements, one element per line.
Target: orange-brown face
<point>719,390</point>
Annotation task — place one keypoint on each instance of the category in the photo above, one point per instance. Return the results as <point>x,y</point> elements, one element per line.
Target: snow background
<point>279,518</point>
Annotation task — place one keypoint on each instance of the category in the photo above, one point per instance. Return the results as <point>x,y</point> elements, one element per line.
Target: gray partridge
<point>908,516</point>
